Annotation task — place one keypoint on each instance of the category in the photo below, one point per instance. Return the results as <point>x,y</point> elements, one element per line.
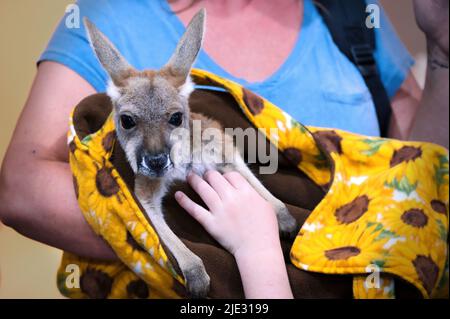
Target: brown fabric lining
<point>288,184</point>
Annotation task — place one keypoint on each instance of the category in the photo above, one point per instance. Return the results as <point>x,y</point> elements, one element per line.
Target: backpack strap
<point>346,20</point>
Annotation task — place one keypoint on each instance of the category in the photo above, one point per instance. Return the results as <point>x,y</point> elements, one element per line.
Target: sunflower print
<point>380,286</point>
<point>106,205</point>
<point>436,197</point>
<point>386,207</point>
<point>96,279</point>
<point>420,264</point>
<point>356,200</point>
<point>100,180</point>
<point>346,252</point>
<point>303,152</point>
<point>431,195</point>
<point>405,188</point>
<point>441,174</point>
<point>414,220</point>
<point>413,161</point>
<point>364,156</point>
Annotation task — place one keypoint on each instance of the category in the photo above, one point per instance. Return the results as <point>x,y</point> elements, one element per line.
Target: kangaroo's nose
<point>157,163</point>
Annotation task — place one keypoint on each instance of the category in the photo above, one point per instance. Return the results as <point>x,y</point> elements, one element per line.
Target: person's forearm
<point>431,121</point>
<point>264,274</point>
<point>39,202</point>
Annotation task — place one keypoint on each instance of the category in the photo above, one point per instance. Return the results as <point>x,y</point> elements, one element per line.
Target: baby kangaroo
<point>149,107</point>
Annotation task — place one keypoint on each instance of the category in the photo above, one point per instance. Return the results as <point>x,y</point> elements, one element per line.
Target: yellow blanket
<point>386,212</point>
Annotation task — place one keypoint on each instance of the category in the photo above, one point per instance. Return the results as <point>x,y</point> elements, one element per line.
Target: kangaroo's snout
<point>157,162</point>
<point>155,165</point>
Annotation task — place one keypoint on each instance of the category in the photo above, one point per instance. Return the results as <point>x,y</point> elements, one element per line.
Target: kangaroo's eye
<point>127,122</point>
<point>176,119</point>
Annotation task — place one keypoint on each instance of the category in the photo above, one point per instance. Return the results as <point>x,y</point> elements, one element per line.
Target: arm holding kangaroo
<point>36,191</point>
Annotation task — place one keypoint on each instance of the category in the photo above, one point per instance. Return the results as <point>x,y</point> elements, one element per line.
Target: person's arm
<point>36,190</point>
<point>423,116</point>
<point>404,108</point>
<point>431,122</point>
<point>244,224</point>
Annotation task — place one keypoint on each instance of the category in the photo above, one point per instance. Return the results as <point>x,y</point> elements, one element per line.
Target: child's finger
<point>204,190</point>
<point>219,183</point>
<point>196,211</point>
<point>236,180</point>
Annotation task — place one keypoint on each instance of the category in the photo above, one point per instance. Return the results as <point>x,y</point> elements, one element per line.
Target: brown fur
<point>175,79</point>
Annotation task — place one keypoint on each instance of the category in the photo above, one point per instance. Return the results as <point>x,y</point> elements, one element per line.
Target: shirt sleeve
<point>393,58</point>
<point>69,44</point>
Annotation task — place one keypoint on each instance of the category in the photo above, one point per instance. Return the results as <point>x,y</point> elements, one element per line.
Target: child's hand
<point>244,224</point>
<point>238,217</point>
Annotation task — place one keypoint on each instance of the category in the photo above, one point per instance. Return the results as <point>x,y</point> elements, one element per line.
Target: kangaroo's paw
<point>287,224</point>
<point>197,280</point>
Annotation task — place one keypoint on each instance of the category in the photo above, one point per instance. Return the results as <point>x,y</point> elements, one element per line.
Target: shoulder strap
<point>346,20</point>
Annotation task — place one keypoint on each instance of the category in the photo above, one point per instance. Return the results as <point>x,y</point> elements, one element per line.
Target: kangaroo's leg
<point>150,196</point>
<point>287,224</point>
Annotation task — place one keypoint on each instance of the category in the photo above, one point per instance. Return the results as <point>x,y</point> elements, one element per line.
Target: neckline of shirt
<point>303,43</point>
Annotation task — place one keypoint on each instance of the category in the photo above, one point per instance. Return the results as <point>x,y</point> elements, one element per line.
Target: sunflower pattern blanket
<point>384,212</point>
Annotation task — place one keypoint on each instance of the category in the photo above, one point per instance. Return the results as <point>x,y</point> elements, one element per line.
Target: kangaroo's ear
<point>189,46</point>
<point>113,62</point>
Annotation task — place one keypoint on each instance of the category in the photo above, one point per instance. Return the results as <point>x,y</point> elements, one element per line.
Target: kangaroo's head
<point>149,105</point>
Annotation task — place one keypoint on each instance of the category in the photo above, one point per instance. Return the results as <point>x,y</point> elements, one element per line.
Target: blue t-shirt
<point>317,84</point>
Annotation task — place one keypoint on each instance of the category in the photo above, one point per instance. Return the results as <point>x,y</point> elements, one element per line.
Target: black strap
<point>346,20</point>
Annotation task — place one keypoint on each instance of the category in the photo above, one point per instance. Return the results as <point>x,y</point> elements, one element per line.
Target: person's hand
<point>238,217</point>
<point>432,19</point>
<point>246,225</point>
